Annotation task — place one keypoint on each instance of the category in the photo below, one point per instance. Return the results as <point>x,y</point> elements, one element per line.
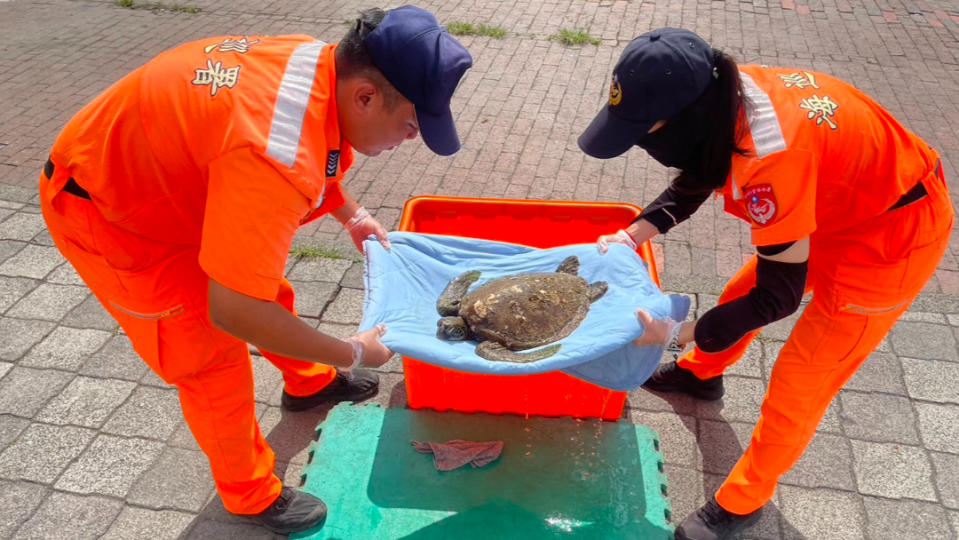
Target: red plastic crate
<point>541,224</point>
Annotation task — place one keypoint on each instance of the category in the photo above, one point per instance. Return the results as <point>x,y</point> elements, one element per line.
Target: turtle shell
<point>526,310</point>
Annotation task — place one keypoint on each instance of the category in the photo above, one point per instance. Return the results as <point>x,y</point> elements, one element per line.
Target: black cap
<point>425,64</point>
<point>658,75</point>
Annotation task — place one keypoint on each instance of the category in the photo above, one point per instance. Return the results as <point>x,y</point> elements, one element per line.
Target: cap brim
<point>609,135</point>
<point>438,131</point>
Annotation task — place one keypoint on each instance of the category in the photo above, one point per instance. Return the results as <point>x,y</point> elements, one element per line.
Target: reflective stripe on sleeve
<point>291,101</point>
<point>763,122</point>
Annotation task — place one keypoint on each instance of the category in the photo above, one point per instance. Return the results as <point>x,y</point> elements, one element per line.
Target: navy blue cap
<point>658,75</point>
<point>425,63</point>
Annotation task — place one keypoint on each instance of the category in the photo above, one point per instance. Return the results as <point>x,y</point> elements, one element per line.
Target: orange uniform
<point>202,164</point>
<point>828,163</point>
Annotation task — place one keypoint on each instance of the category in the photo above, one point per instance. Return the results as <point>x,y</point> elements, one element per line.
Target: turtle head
<point>452,329</point>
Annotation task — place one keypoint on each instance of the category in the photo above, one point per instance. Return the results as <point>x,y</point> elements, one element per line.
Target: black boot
<point>355,385</point>
<point>292,511</point>
<point>669,377</point>
<point>713,522</point>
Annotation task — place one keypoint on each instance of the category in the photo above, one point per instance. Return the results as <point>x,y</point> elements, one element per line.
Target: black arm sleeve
<point>778,291</point>
<point>671,208</point>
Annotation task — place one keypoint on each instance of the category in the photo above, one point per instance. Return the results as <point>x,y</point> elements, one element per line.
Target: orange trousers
<point>862,280</point>
<point>158,294</point>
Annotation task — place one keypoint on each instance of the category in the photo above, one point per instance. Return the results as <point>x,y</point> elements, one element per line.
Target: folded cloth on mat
<point>456,453</point>
<point>403,284</point>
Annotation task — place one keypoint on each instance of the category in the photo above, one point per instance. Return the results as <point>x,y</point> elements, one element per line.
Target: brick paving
<point>92,444</point>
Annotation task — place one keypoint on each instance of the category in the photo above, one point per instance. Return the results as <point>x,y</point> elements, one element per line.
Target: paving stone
<point>821,513</point>
<point>892,470</point>
<point>780,330</point>
<point>152,379</point>
<point>641,399</point>
<point>65,275</point>
<point>895,520</point>
<point>20,335</point>
<point>677,435</point>
<point>42,451</point>
<point>9,247</point>
<point>932,380</point>
<point>290,435</point>
<point>267,381</point>
<point>826,462</point>
<point>923,316</point>
<point>109,466</point>
<point>183,438</point>
<point>880,372</point>
<point>939,426</point>
<point>115,360</point>
<point>346,308</point>
<point>84,516</point>
<point>312,297</point>
<point>751,363</point>
<point>65,348</point>
<point>21,226</point>
<point>10,428</point>
<point>86,402</point>
<point>947,478</point>
<point>18,500</point>
<point>153,413</point>
<point>179,479</point>
<point>12,289</point>
<point>319,269</point>
<point>740,403</point>
<point>353,278</point>
<point>24,391</point>
<point>90,314</point>
<point>49,302</point>
<point>337,330</point>
<point>32,261</point>
<point>924,340</point>
<point>136,522</point>
<point>685,491</point>
<point>954,519</point>
<point>721,444</point>
<point>878,417</point>
<point>4,368</point>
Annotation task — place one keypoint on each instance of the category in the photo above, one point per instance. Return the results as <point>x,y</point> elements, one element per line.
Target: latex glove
<point>368,350</point>
<point>621,237</point>
<point>362,225</point>
<point>661,332</point>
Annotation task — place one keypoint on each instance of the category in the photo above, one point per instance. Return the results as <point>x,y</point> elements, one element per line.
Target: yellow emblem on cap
<point>615,92</point>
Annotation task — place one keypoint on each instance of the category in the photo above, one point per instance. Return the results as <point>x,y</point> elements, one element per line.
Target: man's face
<point>384,128</point>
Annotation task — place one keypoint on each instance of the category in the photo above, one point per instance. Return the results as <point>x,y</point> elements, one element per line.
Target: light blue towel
<point>402,286</point>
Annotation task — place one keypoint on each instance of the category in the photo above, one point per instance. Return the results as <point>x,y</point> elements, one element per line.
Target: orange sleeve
<point>252,213</point>
<point>779,197</point>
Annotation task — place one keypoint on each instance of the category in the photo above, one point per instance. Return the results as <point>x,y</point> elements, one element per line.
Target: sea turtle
<point>517,312</point>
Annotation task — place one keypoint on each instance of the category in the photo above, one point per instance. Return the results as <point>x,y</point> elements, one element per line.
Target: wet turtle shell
<point>517,312</point>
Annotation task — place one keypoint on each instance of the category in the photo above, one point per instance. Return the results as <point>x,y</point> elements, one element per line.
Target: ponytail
<point>724,103</point>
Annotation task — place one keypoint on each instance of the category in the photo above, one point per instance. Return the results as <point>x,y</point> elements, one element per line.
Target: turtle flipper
<point>596,290</point>
<point>449,301</point>
<point>491,350</point>
<point>570,265</point>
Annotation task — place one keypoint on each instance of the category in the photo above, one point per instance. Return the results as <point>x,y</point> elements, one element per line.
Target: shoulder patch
<point>760,203</point>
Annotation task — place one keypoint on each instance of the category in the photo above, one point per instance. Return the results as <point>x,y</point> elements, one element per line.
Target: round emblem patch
<point>615,91</point>
<point>761,203</point>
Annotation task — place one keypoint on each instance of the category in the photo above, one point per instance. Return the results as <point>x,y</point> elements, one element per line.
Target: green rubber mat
<point>556,478</point>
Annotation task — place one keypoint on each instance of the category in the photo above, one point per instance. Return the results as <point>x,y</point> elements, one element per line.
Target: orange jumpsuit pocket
<point>143,331</point>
